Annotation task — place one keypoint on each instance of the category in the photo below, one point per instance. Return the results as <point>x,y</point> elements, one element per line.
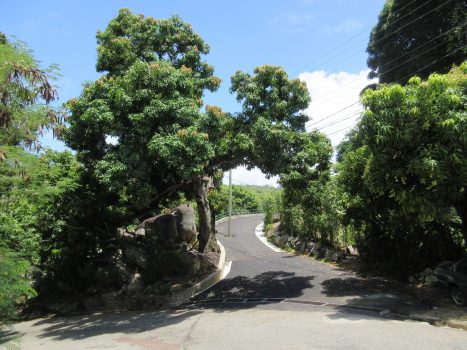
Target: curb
<point>213,278</point>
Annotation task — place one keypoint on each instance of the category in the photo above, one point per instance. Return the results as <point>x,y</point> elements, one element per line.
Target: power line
<point>406,76</point>
<point>399,80</point>
<point>398,29</point>
<point>330,115</point>
<point>358,34</point>
<point>320,101</point>
<point>335,113</point>
<point>340,120</point>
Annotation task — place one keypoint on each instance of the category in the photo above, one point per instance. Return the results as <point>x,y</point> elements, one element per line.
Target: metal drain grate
<point>281,300</point>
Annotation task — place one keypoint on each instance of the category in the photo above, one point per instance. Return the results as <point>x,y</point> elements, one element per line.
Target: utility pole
<point>230,202</point>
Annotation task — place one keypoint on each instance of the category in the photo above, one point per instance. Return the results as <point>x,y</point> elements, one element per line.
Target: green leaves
<point>406,164</point>
<point>270,94</point>
<point>22,85</point>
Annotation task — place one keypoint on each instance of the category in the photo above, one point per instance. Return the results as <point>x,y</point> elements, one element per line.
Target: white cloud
<point>242,176</point>
<point>335,94</point>
<point>349,25</point>
<point>330,92</point>
<point>293,23</point>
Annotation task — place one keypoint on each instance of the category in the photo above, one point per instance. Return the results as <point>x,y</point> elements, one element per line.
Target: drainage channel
<point>282,300</point>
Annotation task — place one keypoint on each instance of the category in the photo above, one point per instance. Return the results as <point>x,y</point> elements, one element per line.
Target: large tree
<point>404,172</point>
<point>417,37</point>
<point>417,139</point>
<point>141,132</point>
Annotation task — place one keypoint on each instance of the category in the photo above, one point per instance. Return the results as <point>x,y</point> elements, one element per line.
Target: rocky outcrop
<point>176,227</point>
<point>427,277</point>
<point>153,261</point>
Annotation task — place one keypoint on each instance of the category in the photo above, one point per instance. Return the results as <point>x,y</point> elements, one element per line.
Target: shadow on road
<point>85,326</point>
<point>271,284</point>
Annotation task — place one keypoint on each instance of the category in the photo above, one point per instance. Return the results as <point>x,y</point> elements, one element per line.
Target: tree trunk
<point>461,210</point>
<point>200,187</point>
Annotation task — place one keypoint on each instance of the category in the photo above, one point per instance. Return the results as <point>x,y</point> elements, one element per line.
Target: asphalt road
<point>269,324</point>
<point>259,272</point>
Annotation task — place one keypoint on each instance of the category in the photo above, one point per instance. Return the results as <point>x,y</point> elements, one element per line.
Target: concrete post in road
<point>230,202</point>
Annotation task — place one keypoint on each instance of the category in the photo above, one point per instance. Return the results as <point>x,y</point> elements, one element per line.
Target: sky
<point>322,42</point>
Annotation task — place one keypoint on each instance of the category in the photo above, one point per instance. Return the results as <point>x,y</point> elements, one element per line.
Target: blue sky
<point>321,41</point>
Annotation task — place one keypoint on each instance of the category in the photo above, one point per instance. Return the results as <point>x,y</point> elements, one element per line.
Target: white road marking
<point>260,234</point>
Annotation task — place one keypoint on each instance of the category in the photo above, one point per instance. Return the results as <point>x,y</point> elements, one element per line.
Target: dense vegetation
<point>399,188</point>
<point>144,141</point>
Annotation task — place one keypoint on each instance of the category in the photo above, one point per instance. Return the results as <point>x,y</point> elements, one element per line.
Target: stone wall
<point>305,246</point>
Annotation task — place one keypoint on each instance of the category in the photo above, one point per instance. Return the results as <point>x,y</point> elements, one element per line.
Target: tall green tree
<point>148,101</point>
<point>416,137</point>
<point>417,37</point>
<point>29,184</point>
<point>402,172</point>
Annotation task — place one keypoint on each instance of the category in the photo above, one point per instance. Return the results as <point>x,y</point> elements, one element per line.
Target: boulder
<point>135,285</point>
<point>140,232</point>
<point>338,256</point>
<point>277,240</point>
<point>276,217</point>
<point>186,226</point>
<point>431,279</point>
<point>136,256</point>
<point>164,226</point>
<point>297,246</point>
<point>328,254</point>
<point>426,272</point>
<point>352,250</point>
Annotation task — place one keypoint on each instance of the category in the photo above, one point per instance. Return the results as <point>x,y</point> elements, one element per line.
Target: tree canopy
<point>417,38</point>
<point>416,137</point>
<point>403,169</point>
<point>141,132</point>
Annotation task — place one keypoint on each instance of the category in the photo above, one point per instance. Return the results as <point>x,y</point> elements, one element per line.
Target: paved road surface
<point>256,272</point>
<point>259,272</point>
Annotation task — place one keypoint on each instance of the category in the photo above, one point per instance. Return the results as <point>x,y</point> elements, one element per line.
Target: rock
<point>328,254</point>
<point>135,285</point>
<point>123,233</point>
<point>352,250</point>
<point>186,227</point>
<point>426,272</point>
<point>176,288</point>
<point>338,256</point>
<point>136,256</point>
<point>431,279</point>
<point>297,246</point>
<point>277,240</point>
<point>140,232</point>
<point>276,217</point>
<point>164,226</point>
<point>303,247</point>
<point>196,266</point>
